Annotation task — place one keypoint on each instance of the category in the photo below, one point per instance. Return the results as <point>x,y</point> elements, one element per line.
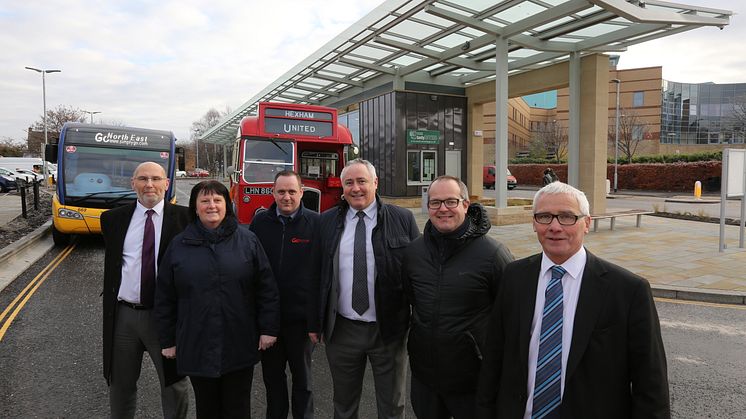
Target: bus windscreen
<point>104,173</point>
<point>264,158</point>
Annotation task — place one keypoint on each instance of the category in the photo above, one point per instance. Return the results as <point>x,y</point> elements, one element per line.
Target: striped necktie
<point>547,386</point>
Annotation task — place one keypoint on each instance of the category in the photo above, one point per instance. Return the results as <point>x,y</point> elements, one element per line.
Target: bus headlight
<point>66,213</point>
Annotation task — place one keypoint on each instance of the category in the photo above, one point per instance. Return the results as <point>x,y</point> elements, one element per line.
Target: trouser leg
<point>275,379</point>
<point>206,397</point>
<point>126,361</point>
<point>345,352</point>
<point>426,403</point>
<point>461,406</point>
<point>389,365</point>
<point>299,350</point>
<point>174,398</point>
<point>235,394</point>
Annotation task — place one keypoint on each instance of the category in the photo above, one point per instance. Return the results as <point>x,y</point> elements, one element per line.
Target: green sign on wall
<point>419,136</point>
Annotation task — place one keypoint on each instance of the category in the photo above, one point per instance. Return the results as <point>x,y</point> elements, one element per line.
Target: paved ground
<point>674,255</point>
<point>10,207</point>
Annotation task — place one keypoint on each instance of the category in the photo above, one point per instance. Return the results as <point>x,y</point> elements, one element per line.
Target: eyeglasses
<point>450,203</point>
<point>563,219</point>
<point>154,179</point>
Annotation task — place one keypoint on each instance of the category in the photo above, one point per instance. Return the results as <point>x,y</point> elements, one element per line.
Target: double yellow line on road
<point>30,289</point>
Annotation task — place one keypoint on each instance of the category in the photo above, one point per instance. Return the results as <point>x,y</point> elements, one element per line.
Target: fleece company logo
<point>297,240</point>
<point>121,139</point>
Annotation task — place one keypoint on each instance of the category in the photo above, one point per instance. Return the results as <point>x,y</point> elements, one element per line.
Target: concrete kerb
<point>31,238</point>
<point>693,294</point>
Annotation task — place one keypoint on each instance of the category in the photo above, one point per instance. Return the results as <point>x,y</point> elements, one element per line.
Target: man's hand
<point>169,353</point>
<point>265,342</point>
<point>314,337</point>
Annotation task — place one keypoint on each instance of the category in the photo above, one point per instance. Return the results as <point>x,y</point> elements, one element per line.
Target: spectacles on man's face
<point>449,203</point>
<point>154,179</point>
<point>564,219</point>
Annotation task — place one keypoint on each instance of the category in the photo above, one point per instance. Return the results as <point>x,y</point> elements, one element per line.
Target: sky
<point>164,64</point>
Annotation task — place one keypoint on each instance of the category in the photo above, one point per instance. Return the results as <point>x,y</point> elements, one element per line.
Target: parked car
<point>181,173</point>
<point>197,172</point>
<point>488,178</point>
<point>31,174</point>
<point>7,183</point>
<point>14,175</point>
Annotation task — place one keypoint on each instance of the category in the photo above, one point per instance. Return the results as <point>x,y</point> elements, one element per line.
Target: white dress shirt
<point>570,290</point>
<point>346,257</point>
<point>129,290</point>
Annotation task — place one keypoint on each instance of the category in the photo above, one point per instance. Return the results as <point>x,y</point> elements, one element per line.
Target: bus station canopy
<point>452,43</point>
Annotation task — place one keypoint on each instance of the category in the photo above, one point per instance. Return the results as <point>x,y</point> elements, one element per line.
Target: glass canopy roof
<point>452,43</point>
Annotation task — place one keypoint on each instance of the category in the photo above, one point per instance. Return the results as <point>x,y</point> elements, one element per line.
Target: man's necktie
<point>147,273</point>
<point>547,386</point>
<point>360,268</point>
<point>285,219</point>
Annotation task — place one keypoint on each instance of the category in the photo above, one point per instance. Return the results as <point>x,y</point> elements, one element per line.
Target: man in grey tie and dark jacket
<point>363,314</point>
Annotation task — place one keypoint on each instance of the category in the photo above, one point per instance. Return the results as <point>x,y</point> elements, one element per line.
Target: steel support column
<point>573,131</point>
<point>501,122</point>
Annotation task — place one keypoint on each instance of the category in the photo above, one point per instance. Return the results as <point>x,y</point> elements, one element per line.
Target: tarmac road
<point>50,357</point>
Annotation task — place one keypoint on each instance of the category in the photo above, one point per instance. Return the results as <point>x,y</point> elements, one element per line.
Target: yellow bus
<point>94,168</point>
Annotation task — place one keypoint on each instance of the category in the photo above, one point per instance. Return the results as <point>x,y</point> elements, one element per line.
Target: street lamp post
<point>91,113</point>
<point>44,115</point>
<point>616,134</point>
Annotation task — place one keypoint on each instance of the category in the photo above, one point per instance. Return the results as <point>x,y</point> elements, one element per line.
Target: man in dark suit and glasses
<point>572,335</point>
<point>136,235</point>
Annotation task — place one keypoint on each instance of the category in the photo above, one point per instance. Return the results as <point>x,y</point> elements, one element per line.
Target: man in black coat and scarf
<point>450,275</point>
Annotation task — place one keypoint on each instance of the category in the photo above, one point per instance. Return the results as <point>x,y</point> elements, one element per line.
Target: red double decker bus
<point>284,136</point>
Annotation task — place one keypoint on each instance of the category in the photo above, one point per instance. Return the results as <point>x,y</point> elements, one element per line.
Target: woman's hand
<point>169,353</point>
<point>265,342</point>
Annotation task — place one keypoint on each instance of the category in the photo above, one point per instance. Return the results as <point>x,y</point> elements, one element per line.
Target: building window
<point>638,99</point>
<point>421,166</point>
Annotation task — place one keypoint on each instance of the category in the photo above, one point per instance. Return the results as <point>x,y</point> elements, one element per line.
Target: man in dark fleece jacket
<point>287,232</point>
<point>450,275</point>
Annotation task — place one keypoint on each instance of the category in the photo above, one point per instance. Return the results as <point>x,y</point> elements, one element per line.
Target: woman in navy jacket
<point>217,304</point>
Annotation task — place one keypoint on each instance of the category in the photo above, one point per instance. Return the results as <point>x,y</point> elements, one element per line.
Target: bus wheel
<point>60,239</point>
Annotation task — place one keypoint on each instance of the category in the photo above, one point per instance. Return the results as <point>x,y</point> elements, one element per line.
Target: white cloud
<point>164,64</point>
<point>155,64</point>
<point>701,55</point>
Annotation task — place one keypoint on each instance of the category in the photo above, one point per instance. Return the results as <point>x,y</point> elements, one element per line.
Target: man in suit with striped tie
<point>572,335</point>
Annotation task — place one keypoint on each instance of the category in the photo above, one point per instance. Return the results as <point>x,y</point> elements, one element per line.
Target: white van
<point>28,163</point>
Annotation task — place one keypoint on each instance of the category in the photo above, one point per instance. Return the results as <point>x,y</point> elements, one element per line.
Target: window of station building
<point>421,166</point>
<point>638,99</point>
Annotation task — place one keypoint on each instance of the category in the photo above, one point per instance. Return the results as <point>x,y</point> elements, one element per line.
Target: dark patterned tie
<point>147,273</point>
<point>285,219</point>
<point>547,386</point>
<point>360,268</point>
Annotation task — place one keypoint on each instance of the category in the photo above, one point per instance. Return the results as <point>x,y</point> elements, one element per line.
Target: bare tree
<point>549,140</point>
<point>738,118</point>
<point>210,155</point>
<point>12,148</point>
<point>632,130</point>
<point>56,118</point>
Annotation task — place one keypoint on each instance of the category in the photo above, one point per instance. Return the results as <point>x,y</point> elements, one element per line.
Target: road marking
<point>703,327</point>
<point>701,303</point>
<point>31,288</point>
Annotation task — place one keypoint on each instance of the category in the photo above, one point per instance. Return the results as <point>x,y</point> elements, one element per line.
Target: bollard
<point>424,199</point>
<point>36,195</point>
<point>698,190</point>
<point>22,189</point>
